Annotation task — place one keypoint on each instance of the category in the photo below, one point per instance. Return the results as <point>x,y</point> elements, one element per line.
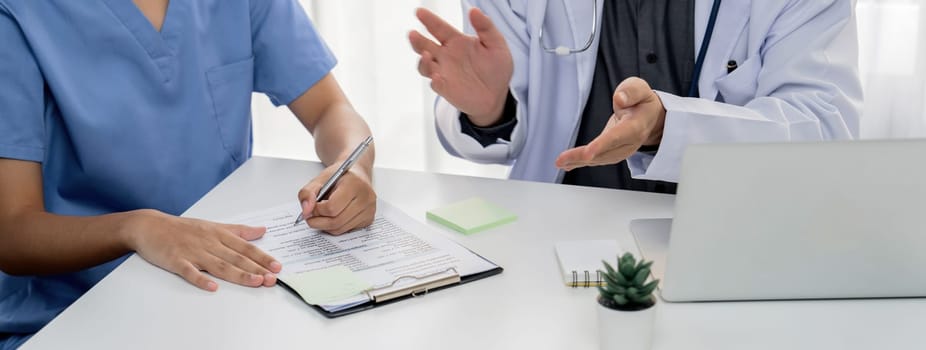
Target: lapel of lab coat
<point>731,20</point>
<point>579,13</point>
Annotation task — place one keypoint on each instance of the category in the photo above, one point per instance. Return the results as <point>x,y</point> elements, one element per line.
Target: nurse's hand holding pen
<point>349,204</point>
<point>337,128</point>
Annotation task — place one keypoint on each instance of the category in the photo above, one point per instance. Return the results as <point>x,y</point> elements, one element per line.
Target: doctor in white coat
<point>795,79</point>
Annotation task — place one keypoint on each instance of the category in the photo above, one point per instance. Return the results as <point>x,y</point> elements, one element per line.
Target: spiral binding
<point>587,282</point>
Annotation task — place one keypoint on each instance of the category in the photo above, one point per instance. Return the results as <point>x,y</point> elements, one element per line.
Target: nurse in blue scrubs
<point>117,115</point>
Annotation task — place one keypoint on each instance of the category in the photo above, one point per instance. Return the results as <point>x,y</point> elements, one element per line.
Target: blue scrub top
<point>124,117</point>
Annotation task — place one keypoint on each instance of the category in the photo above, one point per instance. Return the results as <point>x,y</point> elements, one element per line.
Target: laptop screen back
<point>799,221</point>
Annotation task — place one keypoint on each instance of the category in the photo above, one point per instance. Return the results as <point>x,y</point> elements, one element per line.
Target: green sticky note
<point>471,215</point>
<point>322,287</point>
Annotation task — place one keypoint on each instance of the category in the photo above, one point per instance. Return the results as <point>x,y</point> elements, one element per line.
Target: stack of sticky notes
<point>471,215</point>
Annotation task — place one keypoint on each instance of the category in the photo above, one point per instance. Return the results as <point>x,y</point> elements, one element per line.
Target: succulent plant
<point>624,287</point>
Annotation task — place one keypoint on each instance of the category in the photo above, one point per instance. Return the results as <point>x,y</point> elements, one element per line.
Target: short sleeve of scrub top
<point>22,133</point>
<point>122,116</point>
<point>284,72</point>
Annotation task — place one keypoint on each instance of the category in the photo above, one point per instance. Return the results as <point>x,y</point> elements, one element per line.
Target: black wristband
<point>648,148</point>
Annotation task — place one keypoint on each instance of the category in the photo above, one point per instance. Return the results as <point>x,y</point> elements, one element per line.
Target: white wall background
<point>377,70</point>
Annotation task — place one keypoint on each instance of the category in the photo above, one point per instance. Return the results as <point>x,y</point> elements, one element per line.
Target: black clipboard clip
<point>423,285</point>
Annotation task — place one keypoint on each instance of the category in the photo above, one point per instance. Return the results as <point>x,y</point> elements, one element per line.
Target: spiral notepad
<point>580,261</point>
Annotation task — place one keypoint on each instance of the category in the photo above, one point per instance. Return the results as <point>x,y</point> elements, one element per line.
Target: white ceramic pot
<point>625,330</point>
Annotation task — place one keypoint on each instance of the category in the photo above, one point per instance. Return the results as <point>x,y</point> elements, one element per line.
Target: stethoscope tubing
<point>702,51</point>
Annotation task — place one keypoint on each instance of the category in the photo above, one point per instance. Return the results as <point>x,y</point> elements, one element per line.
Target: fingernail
<point>256,279</point>
<point>211,286</point>
<point>270,277</point>
<point>306,213</point>
<point>275,266</point>
<point>622,96</point>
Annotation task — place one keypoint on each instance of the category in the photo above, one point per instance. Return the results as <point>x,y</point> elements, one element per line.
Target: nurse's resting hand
<point>188,246</point>
<point>351,203</point>
<point>471,72</point>
<point>638,120</point>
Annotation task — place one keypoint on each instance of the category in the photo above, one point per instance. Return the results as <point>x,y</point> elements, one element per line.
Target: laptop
<point>793,221</point>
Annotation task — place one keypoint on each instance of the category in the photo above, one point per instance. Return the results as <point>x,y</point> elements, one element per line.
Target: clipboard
<point>385,295</point>
<point>422,260</point>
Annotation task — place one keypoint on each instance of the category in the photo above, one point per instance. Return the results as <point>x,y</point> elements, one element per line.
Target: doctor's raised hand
<point>638,120</point>
<point>470,72</point>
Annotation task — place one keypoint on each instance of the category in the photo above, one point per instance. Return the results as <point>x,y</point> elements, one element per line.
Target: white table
<point>526,307</point>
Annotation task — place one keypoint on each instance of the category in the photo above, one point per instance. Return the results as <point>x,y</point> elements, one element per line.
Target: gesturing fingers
<point>420,43</point>
<point>488,34</point>
<point>617,135</point>
<point>631,92</point>
<point>427,66</point>
<point>440,29</point>
<point>617,142</point>
<point>439,84</point>
<point>571,158</point>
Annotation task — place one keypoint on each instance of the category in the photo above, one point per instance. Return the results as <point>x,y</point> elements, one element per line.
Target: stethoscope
<point>699,64</point>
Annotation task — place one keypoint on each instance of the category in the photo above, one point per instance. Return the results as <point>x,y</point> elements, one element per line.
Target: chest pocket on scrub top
<point>230,87</point>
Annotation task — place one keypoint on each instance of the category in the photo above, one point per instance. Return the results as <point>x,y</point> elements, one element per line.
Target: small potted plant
<point>625,315</point>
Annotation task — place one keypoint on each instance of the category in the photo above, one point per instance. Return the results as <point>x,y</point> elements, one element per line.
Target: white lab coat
<point>797,81</point>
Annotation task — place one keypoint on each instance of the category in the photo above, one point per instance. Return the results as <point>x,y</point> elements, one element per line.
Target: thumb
<point>631,92</point>
<point>307,198</point>
<point>488,34</point>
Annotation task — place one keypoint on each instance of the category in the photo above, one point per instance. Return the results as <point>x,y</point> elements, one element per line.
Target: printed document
<point>394,250</point>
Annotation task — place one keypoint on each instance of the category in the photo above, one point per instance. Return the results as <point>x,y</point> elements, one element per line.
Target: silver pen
<point>338,173</point>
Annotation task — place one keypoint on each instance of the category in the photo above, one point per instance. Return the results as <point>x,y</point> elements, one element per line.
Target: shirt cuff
<point>664,164</point>
<point>489,135</point>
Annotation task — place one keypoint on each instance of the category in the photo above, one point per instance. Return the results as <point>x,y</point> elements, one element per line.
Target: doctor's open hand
<point>471,72</point>
<point>638,120</point>
<point>187,247</point>
<point>351,203</point>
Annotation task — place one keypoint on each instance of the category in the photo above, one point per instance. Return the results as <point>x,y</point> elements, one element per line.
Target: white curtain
<point>377,70</point>
<point>892,64</point>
